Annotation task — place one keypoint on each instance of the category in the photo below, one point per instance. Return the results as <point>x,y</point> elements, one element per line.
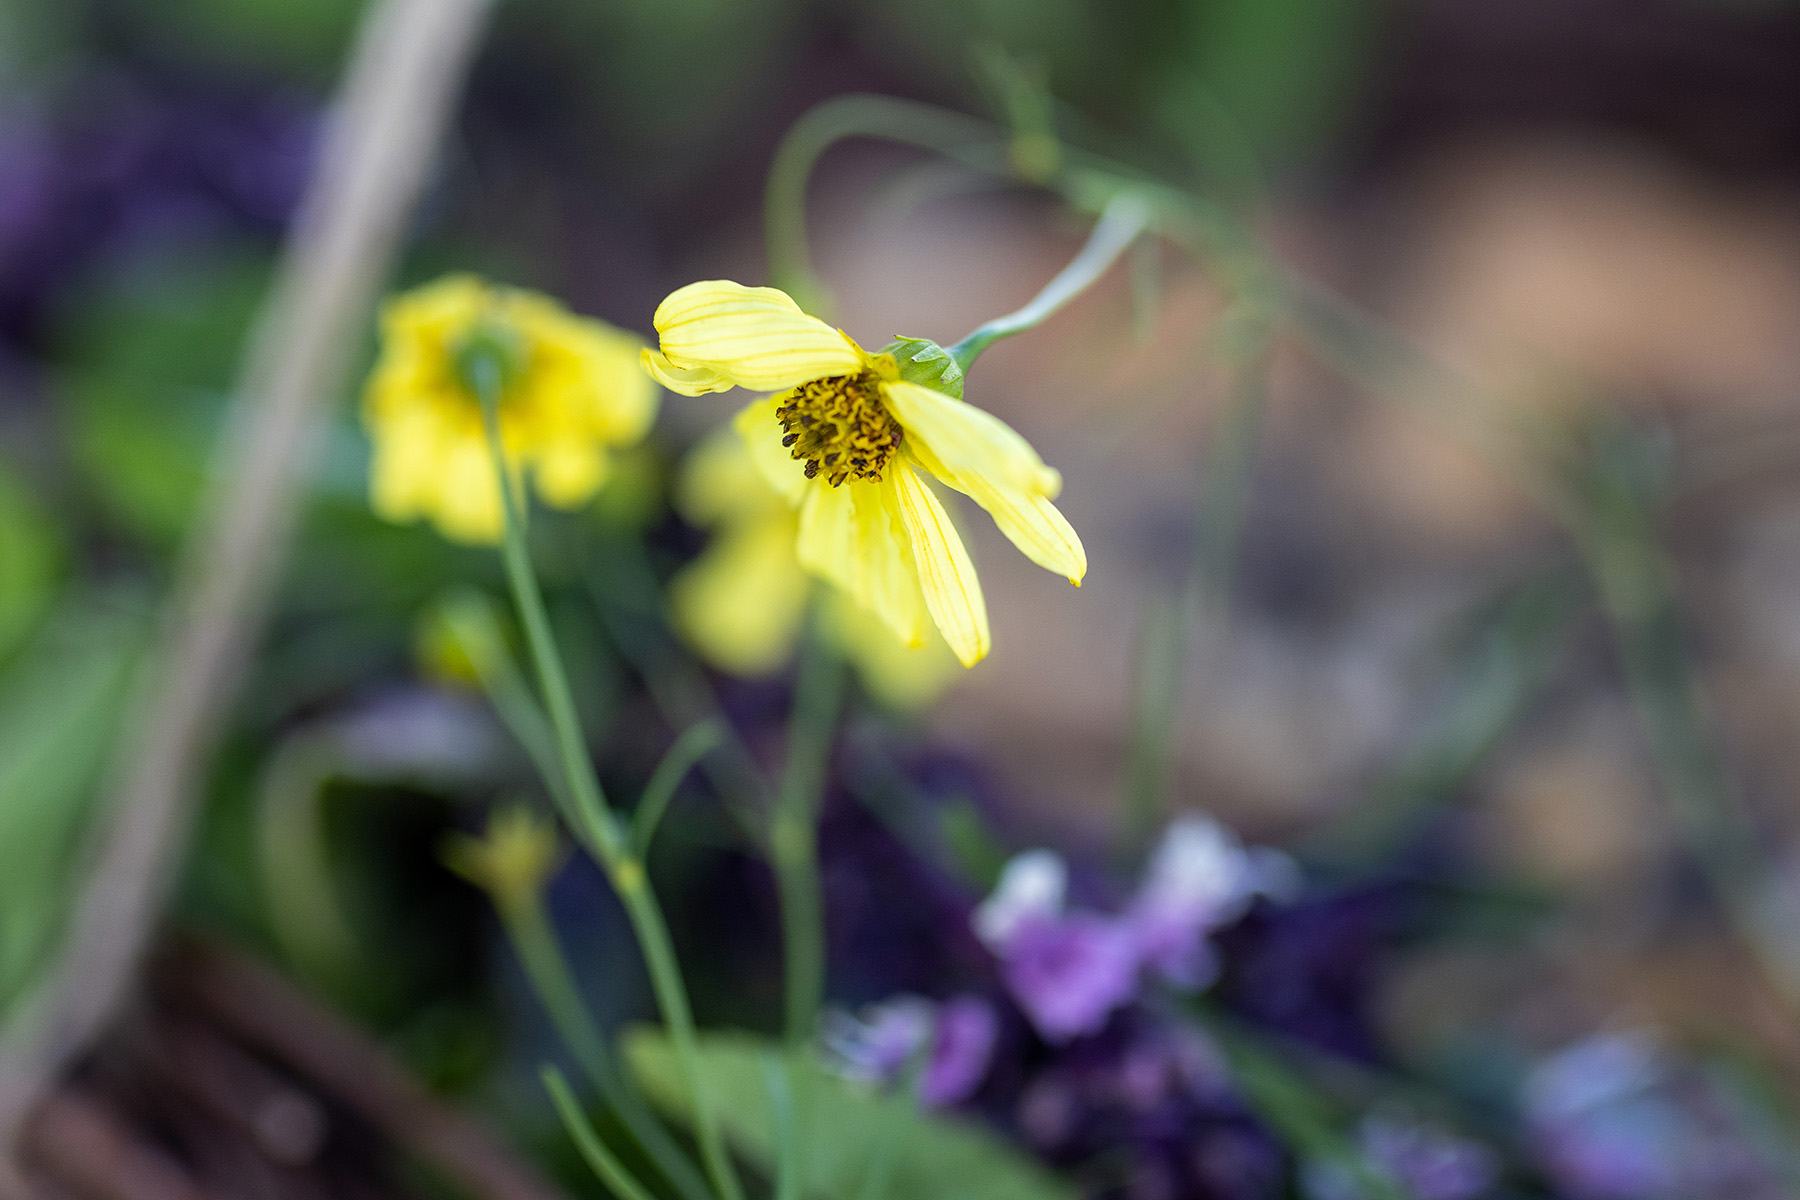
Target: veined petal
<point>947,577</point>
<point>967,441</point>
<point>1034,525</point>
<point>848,537</point>
<point>755,338</point>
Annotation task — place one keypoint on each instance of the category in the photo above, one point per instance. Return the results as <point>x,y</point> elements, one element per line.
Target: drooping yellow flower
<point>741,603</point>
<point>571,392</point>
<point>849,442</point>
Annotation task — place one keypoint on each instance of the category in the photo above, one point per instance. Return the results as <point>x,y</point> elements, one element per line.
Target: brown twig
<point>395,102</point>
<point>85,1144</point>
<point>263,1011</point>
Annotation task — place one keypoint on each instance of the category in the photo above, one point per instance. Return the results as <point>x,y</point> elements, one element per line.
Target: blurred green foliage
<point>31,561</point>
<point>60,705</point>
<point>850,1129</point>
<point>150,352</point>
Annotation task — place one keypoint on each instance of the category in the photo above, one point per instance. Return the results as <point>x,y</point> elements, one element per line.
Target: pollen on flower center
<point>839,426</point>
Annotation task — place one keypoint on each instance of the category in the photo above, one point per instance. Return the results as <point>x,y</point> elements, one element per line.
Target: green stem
<point>604,1163</point>
<point>1636,586</point>
<point>596,823</point>
<point>540,951</point>
<point>1508,655</point>
<point>471,621</point>
<point>777,1074</point>
<point>793,837</point>
<point>906,122</point>
<point>678,686</point>
<point>695,743</point>
<point>1125,217</point>
<point>1204,594</point>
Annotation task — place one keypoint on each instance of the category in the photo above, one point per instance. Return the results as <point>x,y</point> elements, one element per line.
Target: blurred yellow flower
<point>514,861</point>
<point>571,392</point>
<point>846,441</point>
<point>741,603</point>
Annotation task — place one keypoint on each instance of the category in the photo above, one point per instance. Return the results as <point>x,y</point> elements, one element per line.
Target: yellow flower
<point>846,441</point>
<point>513,862</point>
<point>740,604</point>
<point>571,392</point>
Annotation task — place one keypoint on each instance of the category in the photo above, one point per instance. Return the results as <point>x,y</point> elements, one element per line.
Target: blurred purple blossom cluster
<point>1067,1041</point>
<point>138,162</point>
<point>1070,969</point>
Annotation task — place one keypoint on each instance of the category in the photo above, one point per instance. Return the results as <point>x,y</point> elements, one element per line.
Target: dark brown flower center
<point>839,427</point>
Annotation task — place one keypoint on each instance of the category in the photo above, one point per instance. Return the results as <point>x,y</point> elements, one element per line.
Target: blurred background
<point>1506,757</point>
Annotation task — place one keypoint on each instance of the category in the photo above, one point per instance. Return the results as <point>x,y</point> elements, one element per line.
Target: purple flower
<point>878,1046</point>
<point>1070,970</point>
<point>1199,878</point>
<point>961,1050</point>
<point>1070,973</point>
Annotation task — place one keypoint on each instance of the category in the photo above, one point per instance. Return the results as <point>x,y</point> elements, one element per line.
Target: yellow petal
<point>849,536</point>
<point>740,603</point>
<point>718,331</point>
<point>757,425</point>
<point>966,441</point>
<point>569,472</point>
<point>947,577</point>
<point>689,381</point>
<point>467,506</point>
<point>1035,526</point>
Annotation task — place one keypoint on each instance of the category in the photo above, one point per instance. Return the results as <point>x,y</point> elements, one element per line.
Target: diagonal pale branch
<point>396,100</point>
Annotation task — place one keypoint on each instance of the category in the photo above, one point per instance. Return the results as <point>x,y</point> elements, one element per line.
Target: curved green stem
<point>908,122</point>
<point>1126,216</point>
<point>694,744</point>
<point>616,1175</point>
<point>596,824</point>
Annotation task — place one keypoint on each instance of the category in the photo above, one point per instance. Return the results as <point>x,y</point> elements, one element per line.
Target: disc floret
<point>839,427</point>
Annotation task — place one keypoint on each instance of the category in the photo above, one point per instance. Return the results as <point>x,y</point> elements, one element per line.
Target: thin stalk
<point>1204,596</point>
<point>794,837</point>
<point>595,822</point>
<point>1506,658</point>
<point>907,122</point>
<point>1126,216</point>
<point>472,624</point>
<point>1635,583</point>
<point>695,743</point>
<point>776,1076</point>
<point>681,692</point>
<point>534,940</point>
<point>615,1174</point>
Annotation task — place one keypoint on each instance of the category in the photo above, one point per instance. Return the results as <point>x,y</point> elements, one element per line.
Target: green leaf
<point>60,706</point>
<point>30,561</point>
<point>842,1127</point>
<point>927,364</point>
